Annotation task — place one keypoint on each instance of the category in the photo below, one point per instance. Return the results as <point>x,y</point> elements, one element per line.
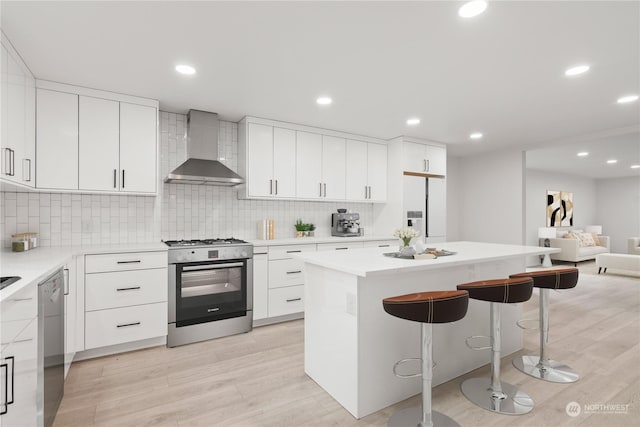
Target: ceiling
<point>563,158</point>
<point>501,73</point>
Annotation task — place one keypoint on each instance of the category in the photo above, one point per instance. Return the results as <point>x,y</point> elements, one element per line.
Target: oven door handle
<point>212,266</point>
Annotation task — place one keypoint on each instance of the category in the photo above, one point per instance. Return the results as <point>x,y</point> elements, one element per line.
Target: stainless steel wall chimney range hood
<point>202,165</point>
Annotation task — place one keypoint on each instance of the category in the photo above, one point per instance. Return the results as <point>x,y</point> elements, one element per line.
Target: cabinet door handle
<point>294,272</point>
<point>24,340</point>
<point>424,165</point>
<point>65,279</point>
<point>366,189</point>
<point>270,186</point>
<point>4,404</point>
<point>115,178</point>
<point>132,288</point>
<point>7,383</point>
<point>428,165</point>
<point>320,189</point>
<point>276,187</point>
<point>325,189</point>
<point>22,299</point>
<point>294,299</point>
<point>7,161</point>
<point>129,262</point>
<point>369,192</point>
<point>122,178</point>
<point>26,168</point>
<point>125,325</point>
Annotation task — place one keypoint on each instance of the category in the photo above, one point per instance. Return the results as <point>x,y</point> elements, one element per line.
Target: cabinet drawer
<point>382,244</point>
<point>22,305</point>
<point>339,246</point>
<point>125,261</point>
<point>127,324</point>
<point>285,272</point>
<point>286,300</point>
<point>285,252</point>
<point>125,288</point>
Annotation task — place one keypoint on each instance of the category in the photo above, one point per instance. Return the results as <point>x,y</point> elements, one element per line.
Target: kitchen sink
<point>7,280</point>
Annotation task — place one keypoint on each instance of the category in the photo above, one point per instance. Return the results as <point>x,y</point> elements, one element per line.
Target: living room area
<point>584,198</point>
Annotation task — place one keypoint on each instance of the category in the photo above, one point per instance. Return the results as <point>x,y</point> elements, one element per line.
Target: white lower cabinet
<point>339,246</point>
<point>287,300</point>
<point>285,272</point>
<point>394,243</point>
<point>260,285</point>
<point>125,324</point>
<point>70,314</point>
<point>19,358</point>
<point>125,298</point>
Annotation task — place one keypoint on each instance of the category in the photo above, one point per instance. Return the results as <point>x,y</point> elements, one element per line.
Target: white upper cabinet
<point>289,161</point>
<point>57,140</point>
<point>18,118</point>
<point>366,171</point>
<point>138,148</point>
<point>95,141</point>
<point>270,155</point>
<point>427,159</point>
<point>99,144</point>
<point>309,165</point>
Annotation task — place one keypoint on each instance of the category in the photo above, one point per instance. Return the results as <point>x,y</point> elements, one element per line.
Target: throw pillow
<point>596,240</point>
<point>586,239</point>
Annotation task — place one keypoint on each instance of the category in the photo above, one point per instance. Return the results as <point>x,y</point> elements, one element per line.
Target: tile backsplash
<point>178,212</point>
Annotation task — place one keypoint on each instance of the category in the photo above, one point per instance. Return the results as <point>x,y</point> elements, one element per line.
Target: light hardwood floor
<point>257,379</point>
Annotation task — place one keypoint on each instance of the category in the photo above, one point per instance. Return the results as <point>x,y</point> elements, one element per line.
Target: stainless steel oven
<point>210,290</point>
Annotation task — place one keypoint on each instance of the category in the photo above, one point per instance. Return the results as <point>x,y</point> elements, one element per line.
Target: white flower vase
<point>407,251</point>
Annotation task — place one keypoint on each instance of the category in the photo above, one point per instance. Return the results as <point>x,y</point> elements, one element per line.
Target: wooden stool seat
<point>504,291</point>
<point>429,307</point>
<point>561,278</point>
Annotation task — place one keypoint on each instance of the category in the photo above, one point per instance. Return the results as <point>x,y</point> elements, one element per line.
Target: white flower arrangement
<point>406,234</point>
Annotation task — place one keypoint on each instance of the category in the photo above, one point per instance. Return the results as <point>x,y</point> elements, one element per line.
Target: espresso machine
<point>345,224</point>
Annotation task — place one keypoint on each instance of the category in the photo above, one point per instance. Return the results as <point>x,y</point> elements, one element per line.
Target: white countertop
<point>37,264</point>
<point>315,240</point>
<point>370,261</point>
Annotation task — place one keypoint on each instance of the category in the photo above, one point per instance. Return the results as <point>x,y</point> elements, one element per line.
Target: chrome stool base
<point>412,417</point>
<point>516,401</point>
<point>552,371</point>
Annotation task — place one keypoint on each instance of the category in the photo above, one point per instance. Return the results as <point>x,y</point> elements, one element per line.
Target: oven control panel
<point>197,254</point>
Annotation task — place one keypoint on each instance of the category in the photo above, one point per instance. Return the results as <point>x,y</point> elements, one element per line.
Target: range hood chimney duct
<point>202,165</point>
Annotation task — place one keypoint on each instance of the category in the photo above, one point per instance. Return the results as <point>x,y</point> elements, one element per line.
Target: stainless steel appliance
<point>345,224</point>
<point>51,345</point>
<point>425,208</point>
<point>210,289</point>
<point>202,165</point>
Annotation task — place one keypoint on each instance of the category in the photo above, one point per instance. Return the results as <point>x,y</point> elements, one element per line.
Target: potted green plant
<point>312,230</point>
<point>300,227</point>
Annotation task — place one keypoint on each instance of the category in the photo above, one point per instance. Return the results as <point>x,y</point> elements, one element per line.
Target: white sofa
<point>634,245</point>
<point>572,252</point>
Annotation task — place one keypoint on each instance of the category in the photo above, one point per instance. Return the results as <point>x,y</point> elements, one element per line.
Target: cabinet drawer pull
<point>291,252</point>
<point>130,262</point>
<point>341,249</point>
<point>24,340</point>
<point>22,299</point>
<point>133,288</point>
<point>294,272</point>
<point>124,325</point>
<point>383,246</point>
<point>294,299</point>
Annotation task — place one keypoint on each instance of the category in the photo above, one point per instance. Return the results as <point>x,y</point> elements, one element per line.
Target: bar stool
<point>541,366</point>
<point>426,308</point>
<point>491,393</point>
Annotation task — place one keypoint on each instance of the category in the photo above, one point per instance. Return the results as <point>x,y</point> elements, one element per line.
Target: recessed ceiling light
<point>472,8</point>
<point>583,154</point>
<point>476,135</point>
<point>413,121</point>
<point>324,100</point>
<point>635,166</point>
<point>612,161</point>
<point>628,98</point>
<point>578,69</point>
<point>187,70</point>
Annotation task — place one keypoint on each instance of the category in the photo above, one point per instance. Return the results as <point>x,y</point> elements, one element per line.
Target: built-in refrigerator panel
<point>436,210</point>
<point>415,193</point>
<point>424,207</point>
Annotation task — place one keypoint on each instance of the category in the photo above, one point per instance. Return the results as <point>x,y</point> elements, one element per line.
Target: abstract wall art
<point>559,208</point>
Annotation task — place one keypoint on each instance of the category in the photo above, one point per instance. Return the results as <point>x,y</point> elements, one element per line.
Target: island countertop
<point>371,261</point>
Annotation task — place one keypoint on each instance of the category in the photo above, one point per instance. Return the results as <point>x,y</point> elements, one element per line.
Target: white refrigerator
<point>425,207</point>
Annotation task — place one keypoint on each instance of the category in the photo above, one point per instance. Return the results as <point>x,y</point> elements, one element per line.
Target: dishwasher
<point>51,346</point>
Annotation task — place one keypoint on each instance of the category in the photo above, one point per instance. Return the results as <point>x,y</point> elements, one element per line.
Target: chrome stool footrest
<point>550,370</point>
<point>522,324</point>
<point>410,359</point>
<point>474,337</point>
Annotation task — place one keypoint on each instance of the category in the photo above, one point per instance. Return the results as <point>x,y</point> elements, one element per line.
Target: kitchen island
<point>351,344</point>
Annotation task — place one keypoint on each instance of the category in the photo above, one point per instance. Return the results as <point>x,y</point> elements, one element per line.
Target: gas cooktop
<point>204,242</point>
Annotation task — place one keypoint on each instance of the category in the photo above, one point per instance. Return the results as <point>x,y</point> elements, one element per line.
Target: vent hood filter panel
<point>200,171</point>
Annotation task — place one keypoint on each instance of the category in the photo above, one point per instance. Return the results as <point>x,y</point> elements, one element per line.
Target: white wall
<point>618,210</point>
<point>488,192</point>
<point>537,184</point>
<point>453,199</point>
